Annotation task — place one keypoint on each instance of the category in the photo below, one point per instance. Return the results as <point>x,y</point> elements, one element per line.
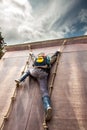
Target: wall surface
<point>69,95</point>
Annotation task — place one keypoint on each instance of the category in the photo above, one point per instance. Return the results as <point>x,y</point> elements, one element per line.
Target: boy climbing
<point>40,70</point>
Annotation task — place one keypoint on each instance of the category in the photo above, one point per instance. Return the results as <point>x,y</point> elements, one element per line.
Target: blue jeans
<point>43,86</point>
<point>42,78</point>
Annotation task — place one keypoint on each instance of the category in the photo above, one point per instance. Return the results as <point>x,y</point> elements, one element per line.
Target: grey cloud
<point>29,20</point>
<point>83,15</point>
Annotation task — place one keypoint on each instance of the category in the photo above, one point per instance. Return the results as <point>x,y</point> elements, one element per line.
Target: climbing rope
<point>27,62</point>
<point>13,98</point>
<point>45,126</point>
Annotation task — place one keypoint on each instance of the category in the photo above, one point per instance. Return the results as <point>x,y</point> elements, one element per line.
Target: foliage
<point>2,43</point>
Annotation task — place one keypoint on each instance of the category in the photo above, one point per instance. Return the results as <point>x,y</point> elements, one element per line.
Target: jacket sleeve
<point>54,57</point>
<point>48,60</point>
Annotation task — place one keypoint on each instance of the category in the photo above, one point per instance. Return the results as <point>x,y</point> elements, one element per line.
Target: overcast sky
<point>39,20</point>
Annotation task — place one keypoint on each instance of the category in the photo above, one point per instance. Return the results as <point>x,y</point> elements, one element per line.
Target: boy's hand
<point>30,53</point>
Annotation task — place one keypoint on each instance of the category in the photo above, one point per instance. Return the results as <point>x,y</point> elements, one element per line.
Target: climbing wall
<point>69,95</point>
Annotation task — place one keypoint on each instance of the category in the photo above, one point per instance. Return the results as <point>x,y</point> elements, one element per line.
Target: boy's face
<point>41,55</point>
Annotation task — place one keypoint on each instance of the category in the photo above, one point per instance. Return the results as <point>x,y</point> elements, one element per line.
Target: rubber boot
<point>47,107</point>
<point>22,77</point>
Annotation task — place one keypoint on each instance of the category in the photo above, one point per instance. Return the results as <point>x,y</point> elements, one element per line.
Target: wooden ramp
<point>69,96</point>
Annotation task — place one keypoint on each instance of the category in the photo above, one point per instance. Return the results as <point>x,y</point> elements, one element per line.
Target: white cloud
<point>13,14</point>
<point>20,22</point>
<point>85,33</point>
<point>85,30</point>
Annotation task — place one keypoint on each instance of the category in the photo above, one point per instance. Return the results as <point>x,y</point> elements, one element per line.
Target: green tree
<point>2,43</point>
